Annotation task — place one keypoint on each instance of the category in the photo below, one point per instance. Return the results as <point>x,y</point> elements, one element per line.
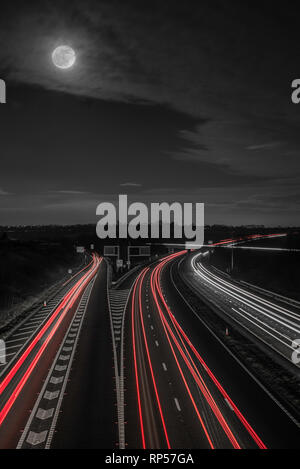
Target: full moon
<point>63,57</point>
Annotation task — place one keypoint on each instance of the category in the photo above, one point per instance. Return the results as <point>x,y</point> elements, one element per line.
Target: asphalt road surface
<point>88,416</point>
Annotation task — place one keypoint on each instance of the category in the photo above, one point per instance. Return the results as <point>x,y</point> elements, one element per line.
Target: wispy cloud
<point>225,143</point>
<point>131,184</point>
<point>186,64</point>
<point>3,192</point>
<point>264,146</point>
<point>70,192</point>
<point>198,60</point>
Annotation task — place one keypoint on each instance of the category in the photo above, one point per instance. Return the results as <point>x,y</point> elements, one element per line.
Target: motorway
<point>184,389</point>
<point>136,365</point>
<point>88,414</point>
<point>275,322</point>
<point>34,343</point>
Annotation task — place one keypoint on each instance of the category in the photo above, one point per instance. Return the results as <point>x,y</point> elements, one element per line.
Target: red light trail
<point>179,343</point>
<point>65,305</point>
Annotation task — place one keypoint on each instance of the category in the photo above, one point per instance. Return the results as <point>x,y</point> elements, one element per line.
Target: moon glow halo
<point>64,57</point>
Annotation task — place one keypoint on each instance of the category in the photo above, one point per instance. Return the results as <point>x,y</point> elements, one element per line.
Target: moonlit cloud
<point>264,146</point>
<point>130,184</point>
<point>69,192</point>
<point>225,65</point>
<point>3,192</point>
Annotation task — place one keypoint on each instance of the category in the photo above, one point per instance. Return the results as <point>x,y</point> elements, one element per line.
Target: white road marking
<point>14,340</point>
<point>228,403</point>
<point>31,328</point>
<point>33,323</point>
<point>177,404</point>
<point>10,354</point>
<point>12,346</point>
<point>156,343</point>
<point>22,333</point>
<point>164,366</point>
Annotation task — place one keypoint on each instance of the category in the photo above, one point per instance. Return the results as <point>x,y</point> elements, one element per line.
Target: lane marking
<point>164,366</point>
<point>177,404</point>
<point>15,340</point>
<point>54,380</point>
<point>12,346</point>
<point>22,333</point>
<point>36,438</point>
<point>229,405</point>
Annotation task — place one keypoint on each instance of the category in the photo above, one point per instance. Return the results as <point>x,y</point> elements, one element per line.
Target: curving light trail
<point>189,363</point>
<point>272,323</point>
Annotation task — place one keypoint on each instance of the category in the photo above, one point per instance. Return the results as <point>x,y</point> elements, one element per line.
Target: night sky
<point>167,101</point>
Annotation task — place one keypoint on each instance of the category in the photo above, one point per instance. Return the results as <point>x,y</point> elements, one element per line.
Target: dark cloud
<point>197,58</point>
<point>224,68</point>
